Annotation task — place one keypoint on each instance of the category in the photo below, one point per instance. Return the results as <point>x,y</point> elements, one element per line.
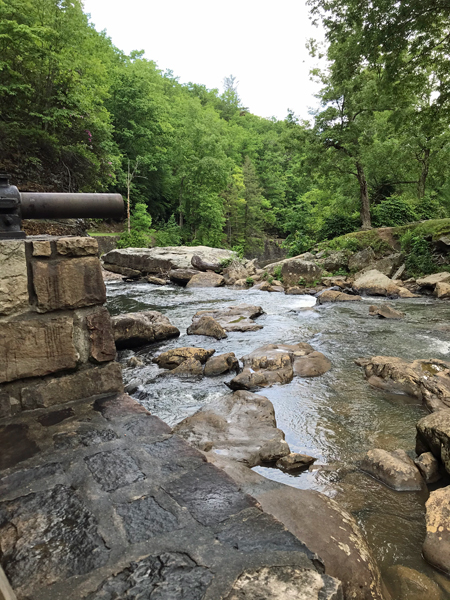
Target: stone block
<point>13,279</point>
<point>114,469</point>
<point>42,248</point>
<point>101,336</point>
<point>83,384</point>
<point>68,283</point>
<point>36,347</point>
<point>77,246</point>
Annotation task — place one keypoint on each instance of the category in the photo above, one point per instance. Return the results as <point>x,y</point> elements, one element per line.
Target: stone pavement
<point>99,500</point>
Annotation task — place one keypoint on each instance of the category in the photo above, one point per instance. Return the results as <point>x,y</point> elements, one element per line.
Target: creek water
<point>336,417</point>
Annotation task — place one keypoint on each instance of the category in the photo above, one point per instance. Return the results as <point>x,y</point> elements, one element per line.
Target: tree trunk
<point>181,202</point>
<point>424,173</point>
<point>364,196</point>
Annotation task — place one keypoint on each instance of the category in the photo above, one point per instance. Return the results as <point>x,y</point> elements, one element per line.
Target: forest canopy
<point>76,112</point>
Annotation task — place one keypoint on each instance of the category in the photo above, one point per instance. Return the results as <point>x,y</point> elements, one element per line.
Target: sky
<point>260,42</point>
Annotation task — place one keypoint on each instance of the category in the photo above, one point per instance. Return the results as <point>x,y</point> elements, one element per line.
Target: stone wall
<point>56,340</point>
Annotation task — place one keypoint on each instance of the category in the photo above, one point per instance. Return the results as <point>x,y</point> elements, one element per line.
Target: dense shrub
<point>337,225</point>
<point>393,211</point>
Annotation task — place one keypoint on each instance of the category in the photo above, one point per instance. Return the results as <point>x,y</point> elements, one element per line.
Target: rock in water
<point>140,328</point>
<point>295,461</point>
<point>436,548</point>
<point>234,318</point>
<point>156,280</point>
<point>433,434</point>
<point>429,467</point>
<point>431,281</point>
<point>375,283</point>
<point>173,358</point>
<point>442,290</point>
<point>208,326</point>
<point>223,363</point>
<point>190,366</point>
<point>208,279</point>
<point>409,584</point>
<point>311,365</point>
<point>385,312</point>
<point>395,469</point>
<point>240,426</point>
<point>425,379</point>
<point>334,296</point>
<point>182,276</point>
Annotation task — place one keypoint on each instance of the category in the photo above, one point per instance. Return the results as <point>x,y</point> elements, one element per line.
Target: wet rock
<point>206,325</point>
<point>38,546</point>
<point>385,312</point>
<point>281,583</point>
<point>340,281</point>
<point>223,363</point>
<point>156,280</point>
<point>15,445</point>
<point>264,286</point>
<point>311,365</point>
<point>405,293</point>
<point>295,291</point>
<point>320,523</point>
<point>169,575</point>
<point>163,259</point>
<point>426,379</point>
<point>143,327</point>
<point>336,260</point>
<point>190,366</point>
<point>295,461</point>
<point>428,467</point>
<point>182,276</point>
<point>277,364</point>
<point>235,318</point>
<point>375,283</point>
<point>203,265</point>
<point>133,385</point>
<point>436,547</point>
<point>432,280</point>
<point>337,296</point>
<point>113,469</point>
<point>361,259</point>
<point>208,279</point>
<point>433,435</point>
<point>173,358</point>
<point>394,469</point>
<point>123,271</point>
<point>240,426</point>
<point>145,518</point>
<point>295,269</point>
<point>276,288</point>
<point>409,584</point>
<point>134,362</point>
<point>442,290</point>
<point>241,284</point>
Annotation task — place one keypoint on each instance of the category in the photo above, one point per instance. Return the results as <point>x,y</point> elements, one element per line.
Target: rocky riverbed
<point>336,417</point>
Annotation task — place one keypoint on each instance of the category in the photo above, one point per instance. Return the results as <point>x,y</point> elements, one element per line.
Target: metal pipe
<point>71,206</point>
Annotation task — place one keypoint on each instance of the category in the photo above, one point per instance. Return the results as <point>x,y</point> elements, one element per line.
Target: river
<point>336,417</point>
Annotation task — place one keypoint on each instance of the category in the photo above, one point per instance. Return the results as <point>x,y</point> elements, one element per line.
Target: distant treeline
<point>77,114</point>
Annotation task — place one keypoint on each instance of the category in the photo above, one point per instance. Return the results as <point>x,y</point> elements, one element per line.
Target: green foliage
<point>270,280</point>
<point>169,234</point>
<point>139,236</point>
<point>301,282</point>
<point>336,225</point>
<point>277,273</point>
<point>393,211</point>
<point>134,239</point>
<point>239,249</point>
<point>419,256</point>
<point>249,281</point>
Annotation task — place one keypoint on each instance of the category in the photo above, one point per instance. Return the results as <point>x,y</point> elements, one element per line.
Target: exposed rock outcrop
<point>240,426</point>
<point>277,364</point>
<point>426,379</point>
<point>430,281</point>
<point>395,469</point>
<point>140,328</point>
<point>234,318</point>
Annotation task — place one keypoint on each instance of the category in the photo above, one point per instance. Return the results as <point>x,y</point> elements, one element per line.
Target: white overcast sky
<point>261,42</point>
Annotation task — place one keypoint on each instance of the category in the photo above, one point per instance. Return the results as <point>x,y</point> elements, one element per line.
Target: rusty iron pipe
<point>35,205</point>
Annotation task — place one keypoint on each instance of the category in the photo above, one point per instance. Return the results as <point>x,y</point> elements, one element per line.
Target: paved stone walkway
<point>99,500</point>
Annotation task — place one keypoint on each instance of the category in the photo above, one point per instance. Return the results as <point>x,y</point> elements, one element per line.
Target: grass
<point>100,234</point>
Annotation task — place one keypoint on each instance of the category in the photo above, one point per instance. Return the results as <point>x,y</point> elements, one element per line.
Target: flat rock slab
<point>100,500</point>
<point>241,426</point>
<point>234,318</point>
<point>140,328</point>
<point>425,379</point>
<point>278,364</point>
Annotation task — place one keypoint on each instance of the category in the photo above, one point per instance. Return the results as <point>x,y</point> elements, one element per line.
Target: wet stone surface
<point>100,500</point>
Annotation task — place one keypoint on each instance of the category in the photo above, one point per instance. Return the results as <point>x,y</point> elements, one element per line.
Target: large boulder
<point>361,259</point>
<point>389,265</point>
<point>234,318</point>
<point>140,328</point>
<point>208,326</point>
<point>433,435</point>
<point>277,364</point>
<point>436,547</point>
<point>442,290</point>
<point>203,265</point>
<point>431,281</point>
<point>425,379</point>
<point>208,279</point>
<point>190,366</point>
<point>158,260</point>
<point>335,296</point>
<point>171,359</point>
<point>336,261</point>
<point>182,276</point>
<point>375,283</point>
<point>240,426</point>
<point>395,469</point>
<point>428,466</point>
<point>222,363</point>
<point>295,270</point>
<point>320,523</point>
<point>239,270</point>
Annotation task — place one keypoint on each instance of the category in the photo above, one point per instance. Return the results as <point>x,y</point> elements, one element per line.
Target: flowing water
<point>336,417</point>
